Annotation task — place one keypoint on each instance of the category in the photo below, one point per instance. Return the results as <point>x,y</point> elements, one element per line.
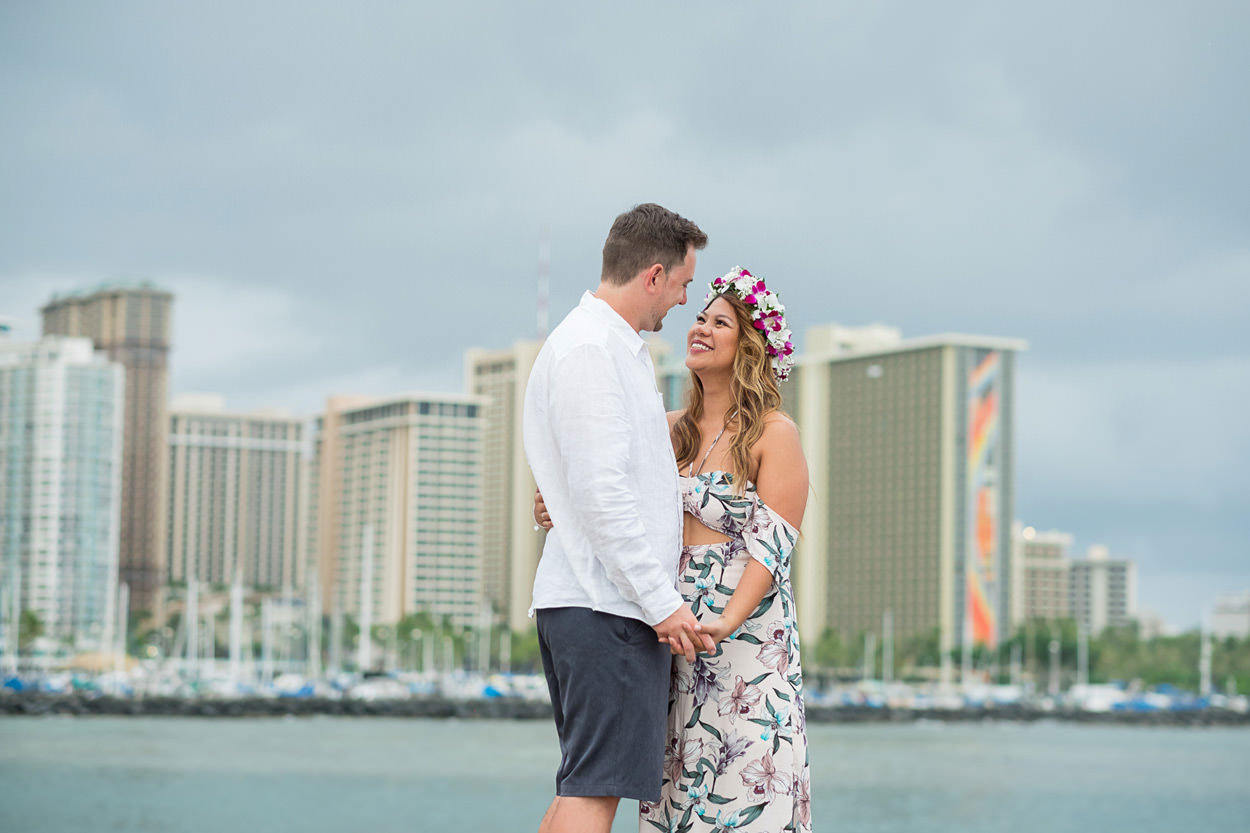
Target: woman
<point>737,747</point>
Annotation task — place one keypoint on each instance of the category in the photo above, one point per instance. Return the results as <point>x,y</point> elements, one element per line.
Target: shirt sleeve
<point>769,539</point>
<point>593,433</point>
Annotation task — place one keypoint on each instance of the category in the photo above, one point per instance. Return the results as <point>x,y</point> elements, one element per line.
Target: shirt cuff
<point>660,604</point>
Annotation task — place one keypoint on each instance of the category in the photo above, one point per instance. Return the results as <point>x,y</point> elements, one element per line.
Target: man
<point>605,596</point>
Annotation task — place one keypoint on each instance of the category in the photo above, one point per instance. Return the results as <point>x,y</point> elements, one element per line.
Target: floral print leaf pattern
<point>750,814</point>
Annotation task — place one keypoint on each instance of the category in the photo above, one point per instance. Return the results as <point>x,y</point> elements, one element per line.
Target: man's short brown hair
<point>643,236</point>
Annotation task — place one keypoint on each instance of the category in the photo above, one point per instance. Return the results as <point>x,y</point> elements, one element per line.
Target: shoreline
<point>39,705</point>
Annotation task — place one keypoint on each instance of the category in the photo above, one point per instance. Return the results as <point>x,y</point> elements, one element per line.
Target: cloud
<point>1169,592</point>
<point>263,346</point>
<point>1210,290</point>
<point>225,332</point>
<point>1148,431</point>
<point>24,292</point>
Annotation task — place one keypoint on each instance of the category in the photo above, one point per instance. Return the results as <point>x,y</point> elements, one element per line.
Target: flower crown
<point>768,315</point>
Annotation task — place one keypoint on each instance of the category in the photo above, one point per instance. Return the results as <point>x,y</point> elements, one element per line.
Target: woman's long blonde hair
<point>753,389</point>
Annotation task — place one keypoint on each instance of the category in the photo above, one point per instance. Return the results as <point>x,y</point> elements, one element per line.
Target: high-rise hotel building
<point>130,322</point>
<point>909,449</point>
<point>911,453</point>
<point>1230,616</point>
<point>1039,574</point>
<point>236,483</point>
<point>1103,590</point>
<point>60,480</point>
<point>398,506</point>
<point>510,546</point>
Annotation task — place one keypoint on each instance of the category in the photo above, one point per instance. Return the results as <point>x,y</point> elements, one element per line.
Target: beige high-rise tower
<point>130,322</point>
<point>1039,574</point>
<point>510,547</point>
<point>236,482</point>
<point>1102,590</point>
<point>395,524</point>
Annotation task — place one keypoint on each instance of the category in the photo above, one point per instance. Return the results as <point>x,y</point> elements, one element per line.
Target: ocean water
<point>309,775</point>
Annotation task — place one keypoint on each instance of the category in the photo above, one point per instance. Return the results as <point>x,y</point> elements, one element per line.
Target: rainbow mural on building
<point>984,516</point>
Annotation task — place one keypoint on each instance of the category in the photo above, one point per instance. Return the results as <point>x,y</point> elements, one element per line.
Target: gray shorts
<point>609,677</point>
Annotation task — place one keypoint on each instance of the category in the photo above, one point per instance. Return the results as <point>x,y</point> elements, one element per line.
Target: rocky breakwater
<point>35,704</point>
<point>511,708</point>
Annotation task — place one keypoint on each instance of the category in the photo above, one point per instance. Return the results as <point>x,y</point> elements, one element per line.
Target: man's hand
<point>682,633</point>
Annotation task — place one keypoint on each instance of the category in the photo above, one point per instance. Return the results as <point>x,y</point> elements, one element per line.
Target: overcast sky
<point>346,196</point>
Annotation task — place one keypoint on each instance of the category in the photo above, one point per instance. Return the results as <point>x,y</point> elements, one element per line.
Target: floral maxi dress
<point>736,755</point>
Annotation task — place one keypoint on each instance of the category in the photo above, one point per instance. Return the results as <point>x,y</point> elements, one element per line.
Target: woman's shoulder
<point>778,426</point>
<point>780,437</point>
<point>673,416</point>
<point>782,475</point>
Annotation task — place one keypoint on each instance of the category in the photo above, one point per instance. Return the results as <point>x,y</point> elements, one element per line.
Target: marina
<point>156,691</point>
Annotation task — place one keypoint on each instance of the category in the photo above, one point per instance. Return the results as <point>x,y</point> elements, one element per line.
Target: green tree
<point>29,628</point>
<point>922,650</point>
<point>141,631</point>
<point>526,656</point>
<point>1230,665</point>
<point>828,651</point>
<point>1119,654</point>
<point>422,622</point>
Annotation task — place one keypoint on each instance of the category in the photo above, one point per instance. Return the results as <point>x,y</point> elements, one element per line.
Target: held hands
<point>683,633</point>
<point>711,633</point>
<point>718,629</point>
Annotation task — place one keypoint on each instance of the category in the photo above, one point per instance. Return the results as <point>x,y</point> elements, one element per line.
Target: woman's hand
<point>718,629</point>
<point>541,518</point>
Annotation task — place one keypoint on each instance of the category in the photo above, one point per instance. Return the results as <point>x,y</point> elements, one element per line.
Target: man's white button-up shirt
<point>597,441</point>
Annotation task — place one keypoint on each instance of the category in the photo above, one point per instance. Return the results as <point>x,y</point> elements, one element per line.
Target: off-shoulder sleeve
<point>769,539</point>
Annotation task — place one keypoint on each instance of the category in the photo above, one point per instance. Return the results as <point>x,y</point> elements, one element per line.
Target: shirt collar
<point>601,310</point>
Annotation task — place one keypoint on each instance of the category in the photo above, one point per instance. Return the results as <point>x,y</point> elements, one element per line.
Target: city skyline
<point>664,357</point>
<point>344,219</point>
<point>861,350</point>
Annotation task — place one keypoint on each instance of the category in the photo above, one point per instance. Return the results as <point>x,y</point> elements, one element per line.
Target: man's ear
<point>651,278</point>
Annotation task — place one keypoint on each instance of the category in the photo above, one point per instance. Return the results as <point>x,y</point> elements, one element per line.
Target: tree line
<point>1118,654</point>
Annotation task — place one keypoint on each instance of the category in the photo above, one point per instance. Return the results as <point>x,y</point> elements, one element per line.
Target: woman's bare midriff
<point>694,533</point>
